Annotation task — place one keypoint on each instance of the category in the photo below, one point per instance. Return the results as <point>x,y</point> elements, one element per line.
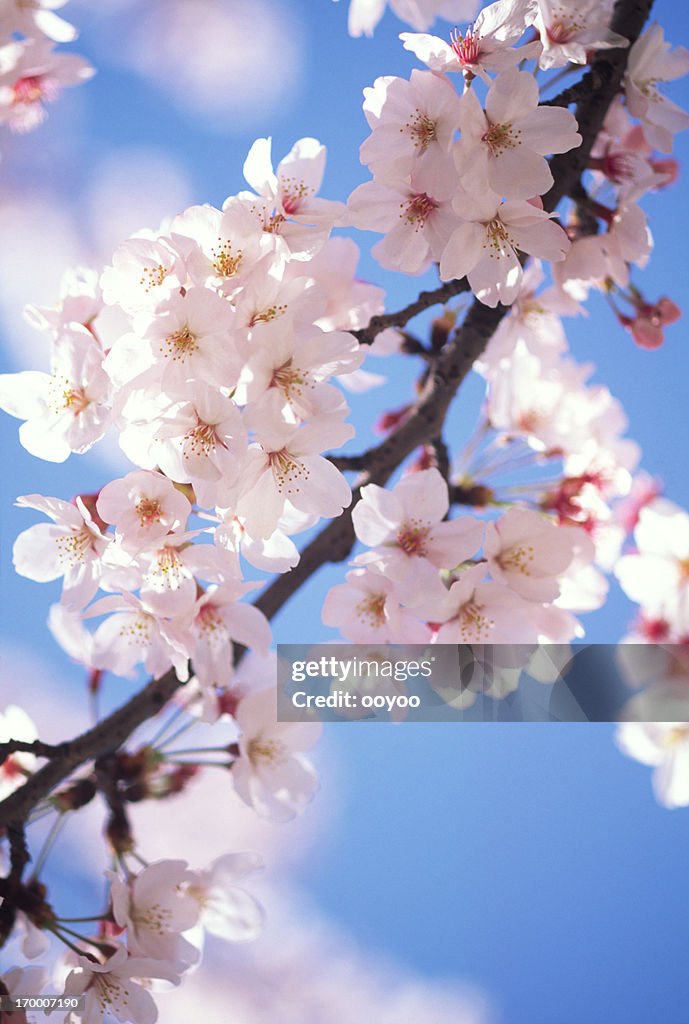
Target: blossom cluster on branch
<point>216,349</point>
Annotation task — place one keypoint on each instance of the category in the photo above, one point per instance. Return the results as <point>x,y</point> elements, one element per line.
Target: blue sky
<point>529,859</point>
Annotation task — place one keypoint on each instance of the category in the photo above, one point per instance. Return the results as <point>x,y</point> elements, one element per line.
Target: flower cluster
<point>472,202</point>
<point>32,72</point>
<point>229,329</point>
<point>422,579</point>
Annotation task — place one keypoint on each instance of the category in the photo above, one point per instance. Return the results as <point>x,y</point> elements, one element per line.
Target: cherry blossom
<point>571,29</point>
<point>488,45</point>
<point>656,575</point>
<point>217,620</point>
<point>364,15</point>
<point>226,910</point>
<point>271,773</point>
<point>190,337</point>
<point>528,553</point>
<point>484,247</point>
<point>651,60</point>
<point>31,75</point>
<point>143,507</point>
<point>664,746</point>
<point>73,547</point>
<point>407,525</point>
<point>416,216</point>
<point>112,988</point>
<point>66,411</point>
<point>290,211</point>
<point>506,144</point>
<point>155,909</point>
<point>411,121</point>
<point>474,611</point>
<point>367,609</point>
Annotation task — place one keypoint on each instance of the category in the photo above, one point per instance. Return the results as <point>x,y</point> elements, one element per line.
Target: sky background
<point>529,860</point>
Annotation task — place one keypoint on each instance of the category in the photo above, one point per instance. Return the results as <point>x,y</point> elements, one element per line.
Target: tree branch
<point>103,738</point>
<point>366,335</point>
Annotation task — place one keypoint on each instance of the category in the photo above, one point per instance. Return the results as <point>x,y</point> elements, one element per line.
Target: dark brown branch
<point>35,747</point>
<point>425,300</point>
<point>104,737</point>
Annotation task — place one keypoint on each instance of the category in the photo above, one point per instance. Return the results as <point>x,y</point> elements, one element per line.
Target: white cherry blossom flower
<point>202,442</point>
<point>487,45</point>
<point>217,619</point>
<point>68,410</point>
<point>72,547</point>
<point>657,575</point>
<point>131,634</point>
<point>651,61</point>
<point>484,247</point>
<point>112,988</point>
<point>271,774</point>
<point>410,121</point>
<point>477,612</point>
<point>31,75</point>
<point>143,507</point>
<point>227,910</point>
<point>189,338</point>
<point>290,210</point>
<point>368,609</point>
<point>506,144</point>
<point>406,526</point>
<point>145,271</point>
<point>571,29</point>
<point>528,553</point>
<point>665,747</point>
<point>226,244</point>
<point>286,466</point>
<point>416,216</point>
<point>155,909</point>
<point>295,368</point>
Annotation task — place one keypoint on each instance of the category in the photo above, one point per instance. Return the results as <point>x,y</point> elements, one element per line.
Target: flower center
<point>72,546</point>
<point>148,511</point>
<point>293,193</point>
<point>517,559</point>
<point>225,261</point>
<point>467,47</point>
<point>30,89</point>
<point>268,752</point>
<point>66,395</point>
<point>290,380</point>
<point>202,440</point>
<point>500,137</point>
<point>153,276</point>
<point>422,129</point>
<point>287,470</point>
<point>265,316</point>
<point>498,239</point>
<point>180,345</point>
<point>412,538</point>
<point>372,610</point>
<point>418,209</point>
<point>474,625</point>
